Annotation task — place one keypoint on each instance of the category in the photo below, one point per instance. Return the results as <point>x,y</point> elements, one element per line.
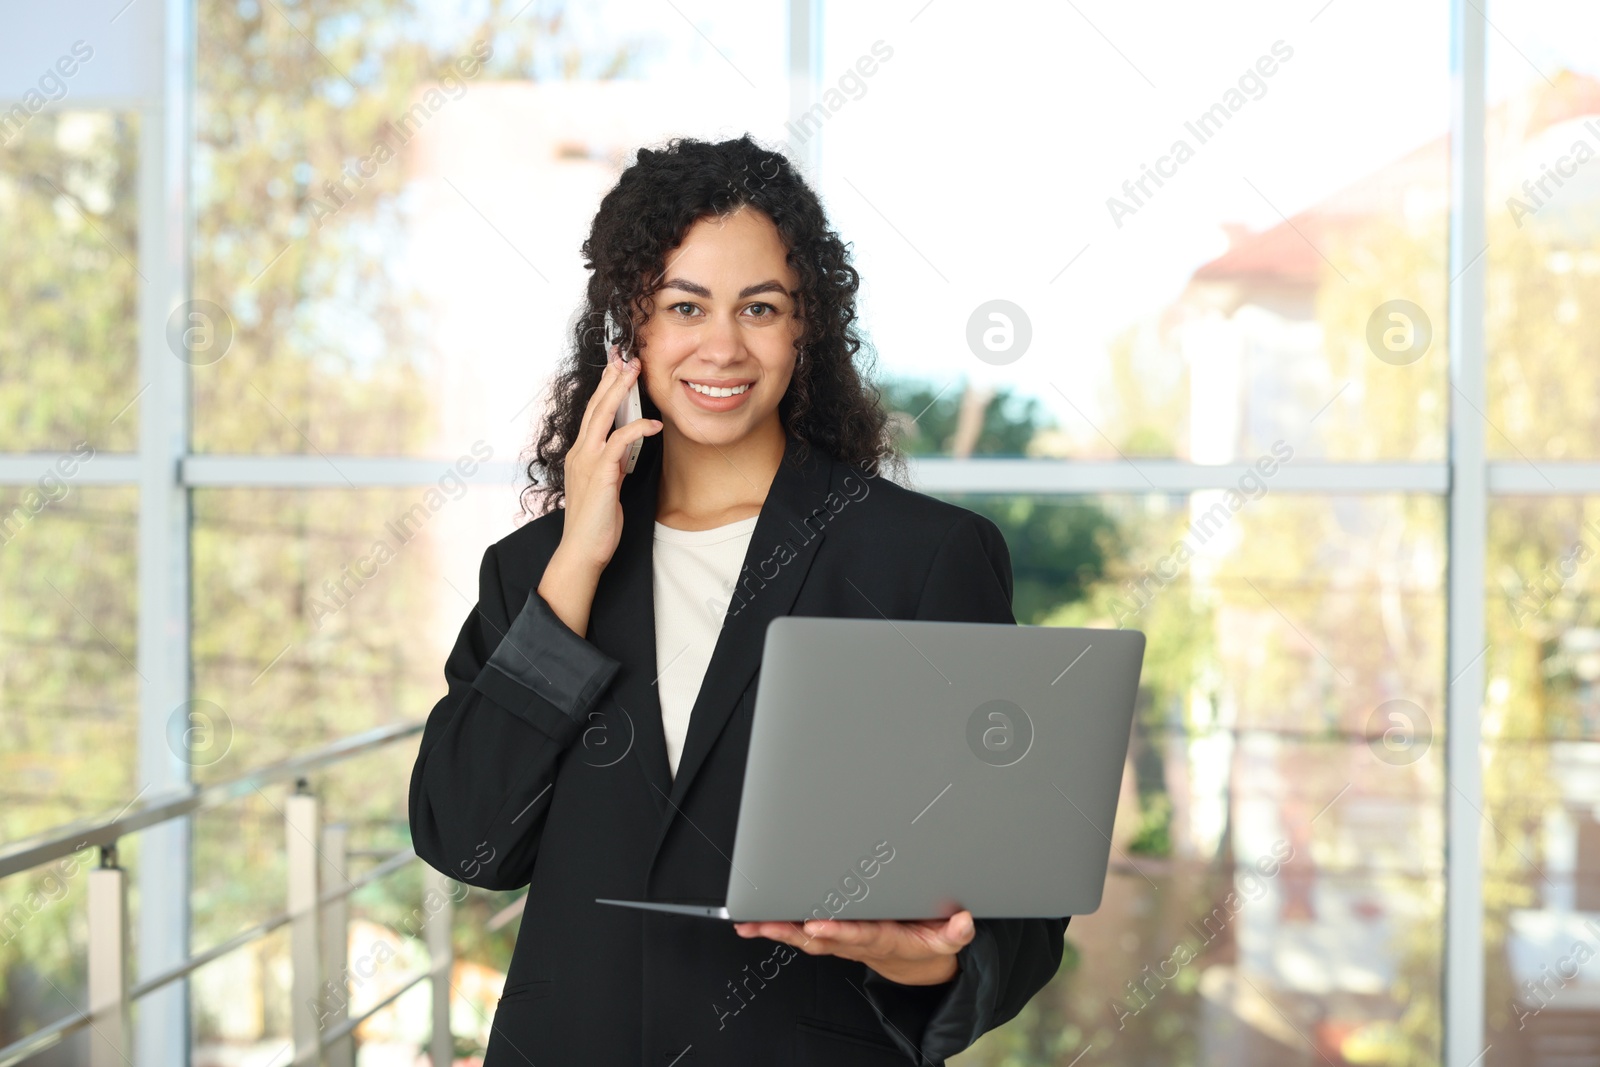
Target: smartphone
<point>630,409</point>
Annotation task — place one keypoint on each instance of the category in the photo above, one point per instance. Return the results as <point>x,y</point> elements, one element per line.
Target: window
<point>1168,292</point>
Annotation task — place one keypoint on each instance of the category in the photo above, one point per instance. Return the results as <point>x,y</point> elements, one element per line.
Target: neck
<point>704,485</point>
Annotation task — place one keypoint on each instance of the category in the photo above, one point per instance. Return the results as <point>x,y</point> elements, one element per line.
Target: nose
<point>721,343</point>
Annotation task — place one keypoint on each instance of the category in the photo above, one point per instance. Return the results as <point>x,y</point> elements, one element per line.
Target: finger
<point>608,398</point>
<point>589,408</point>
<point>913,939</point>
<point>859,932</point>
<point>755,929</point>
<point>783,931</point>
<point>788,933</point>
<point>794,938</point>
<point>944,937</point>
<point>601,412</point>
<point>617,444</point>
<point>617,403</point>
<point>949,935</point>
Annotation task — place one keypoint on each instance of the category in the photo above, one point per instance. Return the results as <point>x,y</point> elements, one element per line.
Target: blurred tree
<point>298,245</point>
<point>303,203</point>
<point>1059,546</point>
<point>68,385</point>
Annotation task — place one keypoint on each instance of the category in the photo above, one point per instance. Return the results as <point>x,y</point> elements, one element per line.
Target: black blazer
<point>544,765</point>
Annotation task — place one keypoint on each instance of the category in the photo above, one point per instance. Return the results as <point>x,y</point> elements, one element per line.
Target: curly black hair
<point>830,403</point>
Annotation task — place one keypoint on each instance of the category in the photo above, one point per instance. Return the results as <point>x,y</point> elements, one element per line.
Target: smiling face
<point>720,343</point>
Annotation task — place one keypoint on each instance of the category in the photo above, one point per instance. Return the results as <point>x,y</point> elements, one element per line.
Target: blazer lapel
<point>622,622</point>
<point>775,564</point>
<point>622,619</point>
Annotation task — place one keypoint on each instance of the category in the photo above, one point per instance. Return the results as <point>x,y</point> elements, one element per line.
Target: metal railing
<point>317,915</point>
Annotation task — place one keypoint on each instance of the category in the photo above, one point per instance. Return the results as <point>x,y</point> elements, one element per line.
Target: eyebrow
<point>769,286</point>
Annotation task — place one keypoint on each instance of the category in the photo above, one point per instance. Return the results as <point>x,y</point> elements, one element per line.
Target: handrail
<point>175,803</point>
<point>261,929</point>
<point>395,861</point>
<point>317,913</point>
<point>351,1023</point>
<point>46,1037</point>
<point>200,959</point>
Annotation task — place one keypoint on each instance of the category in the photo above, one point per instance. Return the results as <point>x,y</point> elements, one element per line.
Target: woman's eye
<point>766,310</point>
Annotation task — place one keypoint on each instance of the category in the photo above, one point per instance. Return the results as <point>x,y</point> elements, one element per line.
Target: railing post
<point>302,829</point>
<point>335,990</point>
<point>441,954</point>
<point>108,962</point>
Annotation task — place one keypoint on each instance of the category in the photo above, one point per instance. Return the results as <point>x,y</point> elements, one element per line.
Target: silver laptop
<point>906,770</point>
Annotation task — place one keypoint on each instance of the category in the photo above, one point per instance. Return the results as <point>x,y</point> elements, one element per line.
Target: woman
<point>593,739</point>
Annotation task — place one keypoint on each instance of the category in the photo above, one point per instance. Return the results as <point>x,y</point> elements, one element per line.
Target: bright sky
<point>1066,103</point>
<point>977,162</point>
<point>993,171</point>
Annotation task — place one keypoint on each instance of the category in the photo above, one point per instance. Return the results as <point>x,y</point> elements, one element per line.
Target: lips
<point>718,396</point>
<point>705,389</point>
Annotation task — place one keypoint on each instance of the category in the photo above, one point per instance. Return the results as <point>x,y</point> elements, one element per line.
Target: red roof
<point>1287,252</point>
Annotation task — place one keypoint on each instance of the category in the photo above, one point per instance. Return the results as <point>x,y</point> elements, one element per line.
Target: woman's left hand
<point>911,953</point>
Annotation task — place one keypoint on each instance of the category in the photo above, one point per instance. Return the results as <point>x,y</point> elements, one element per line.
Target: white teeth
<point>710,390</point>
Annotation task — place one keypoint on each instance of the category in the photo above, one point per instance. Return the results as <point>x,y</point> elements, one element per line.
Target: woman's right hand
<point>594,468</point>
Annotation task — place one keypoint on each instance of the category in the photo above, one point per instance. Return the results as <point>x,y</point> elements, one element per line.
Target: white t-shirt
<point>695,572</point>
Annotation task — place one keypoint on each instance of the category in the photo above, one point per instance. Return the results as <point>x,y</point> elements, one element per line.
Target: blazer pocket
<point>817,1042</point>
<point>532,990</point>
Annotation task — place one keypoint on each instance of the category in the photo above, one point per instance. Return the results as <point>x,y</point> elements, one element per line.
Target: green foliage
<point>1154,836</point>
<point>69,213</point>
<point>329,355</point>
<point>278,117</point>
<point>1059,546</point>
<point>1147,412</point>
<point>68,341</point>
<point>930,418</point>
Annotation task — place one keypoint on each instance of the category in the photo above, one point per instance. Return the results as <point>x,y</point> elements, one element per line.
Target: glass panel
<point>318,614</point>
<point>241,1005</point>
<point>68,644</point>
<point>1200,251</point>
<point>1543,257</point>
<point>69,296</point>
<point>1276,887</point>
<point>389,221</point>
<point>1541,743</point>
<point>69,696</point>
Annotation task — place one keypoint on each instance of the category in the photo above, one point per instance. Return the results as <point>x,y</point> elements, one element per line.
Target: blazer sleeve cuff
<point>932,1023</point>
<point>540,656</point>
